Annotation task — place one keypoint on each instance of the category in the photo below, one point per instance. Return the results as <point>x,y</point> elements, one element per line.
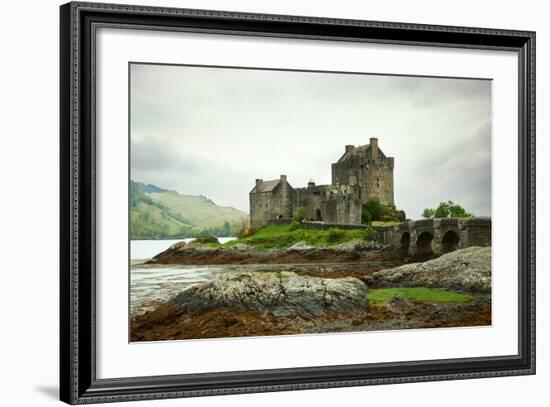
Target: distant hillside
<point>150,188</point>
<point>157,213</point>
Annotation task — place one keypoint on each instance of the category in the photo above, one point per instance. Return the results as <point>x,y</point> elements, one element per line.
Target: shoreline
<point>204,255</point>
<point>309,290</point>
<point>170,322</point>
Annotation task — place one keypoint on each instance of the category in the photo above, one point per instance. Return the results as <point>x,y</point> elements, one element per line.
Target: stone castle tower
<point>360,173</point>
<point>367,167</point>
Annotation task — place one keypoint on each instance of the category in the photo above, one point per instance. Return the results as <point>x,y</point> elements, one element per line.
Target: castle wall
<point>274,203</point>
<point>322,225</point>
<point>330,204</point>
<point>378,180</point>
<point>343,209</point>
<point>312,200</point>
<point>372,172</point>
<point>363,172</point>
<point>261,209</point>
<point>284,207</point>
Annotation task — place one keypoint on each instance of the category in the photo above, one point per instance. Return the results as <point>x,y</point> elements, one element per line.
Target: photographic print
<point>276,202</point>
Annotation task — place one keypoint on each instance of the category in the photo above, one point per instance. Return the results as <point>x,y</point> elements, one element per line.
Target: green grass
<point>381,296</point>
<point>381,223</point>
<point>282,236</point>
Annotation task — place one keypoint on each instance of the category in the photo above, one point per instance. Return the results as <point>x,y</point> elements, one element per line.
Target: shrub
<point>335,235</point>
<point>207,240</point>
<point>401,216</point>
<point>247,232</point>
<point>300,215</point>
<point>366,216</point>
<point>294,225</point>
<point>374,210</point>
<point>241,227</point>
<point>371,235</point>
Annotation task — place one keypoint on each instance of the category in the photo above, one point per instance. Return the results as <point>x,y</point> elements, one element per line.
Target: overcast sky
<point>213,131</point>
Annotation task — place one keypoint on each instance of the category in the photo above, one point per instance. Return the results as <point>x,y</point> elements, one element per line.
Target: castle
<point>361,172</point>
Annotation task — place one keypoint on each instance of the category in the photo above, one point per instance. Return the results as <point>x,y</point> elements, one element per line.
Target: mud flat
<point>451,291</point>
<point>300,253</point>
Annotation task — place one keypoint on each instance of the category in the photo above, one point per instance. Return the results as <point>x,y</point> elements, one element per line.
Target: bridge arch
<point>424,244</point>
<point>450,241</point>
<point>405,243</point>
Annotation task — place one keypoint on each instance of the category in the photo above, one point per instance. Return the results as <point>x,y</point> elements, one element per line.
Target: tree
<point>428,213</point>
<point>226,230</point>
<point>366,216</point>
<point>300,215</point>
<point>390,213</point>
<point>374,210</point>
<point>446,210</point>
<point>242,227</point>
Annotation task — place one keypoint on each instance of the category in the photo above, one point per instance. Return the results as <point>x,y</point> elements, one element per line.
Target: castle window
<point>377,182</point>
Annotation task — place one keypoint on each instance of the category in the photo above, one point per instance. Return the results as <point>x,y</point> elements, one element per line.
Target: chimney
<point>283,178</point>
<point>259,182</point>
<point>310,184</point>
<point>374,148</point>
<point>349,147</point>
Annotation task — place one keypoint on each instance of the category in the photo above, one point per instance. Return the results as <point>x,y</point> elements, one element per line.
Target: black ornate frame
<point>78,382</point>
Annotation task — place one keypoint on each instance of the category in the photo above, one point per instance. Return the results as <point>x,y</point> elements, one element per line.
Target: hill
<point>150,188</point>
<point>157,213</point>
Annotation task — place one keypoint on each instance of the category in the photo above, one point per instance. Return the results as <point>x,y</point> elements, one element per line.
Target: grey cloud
<point>213,131</point>
<point>432,91</point>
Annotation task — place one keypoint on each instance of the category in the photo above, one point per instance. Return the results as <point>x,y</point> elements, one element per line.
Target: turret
<point>374,148</point>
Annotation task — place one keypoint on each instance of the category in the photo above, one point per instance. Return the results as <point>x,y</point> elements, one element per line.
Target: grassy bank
<point>380,223</point>
<point>281,236</point>
<point>381,296</point>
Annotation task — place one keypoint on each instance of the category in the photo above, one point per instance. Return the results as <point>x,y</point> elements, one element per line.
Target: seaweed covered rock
<point>466,269</point>
<point>285,293</point>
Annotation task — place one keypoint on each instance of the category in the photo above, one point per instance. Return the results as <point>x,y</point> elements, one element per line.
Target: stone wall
<point>312,200</point>
<point>437,236</point>
<point>478,232</point>
<point>328,203</point>
<point>321,225</point>
<point>373,173</point>
<point>343,209</point>
<point>326,226</point>
<point>377,180</point>
<point>261,209</point>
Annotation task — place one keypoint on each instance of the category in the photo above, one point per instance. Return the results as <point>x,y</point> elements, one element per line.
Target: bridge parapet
<point>436,236</point>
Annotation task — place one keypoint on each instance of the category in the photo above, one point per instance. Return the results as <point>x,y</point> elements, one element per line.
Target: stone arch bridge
<point>428,237</point>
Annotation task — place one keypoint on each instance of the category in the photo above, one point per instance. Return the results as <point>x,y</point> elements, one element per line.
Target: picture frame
<point>79,382</point>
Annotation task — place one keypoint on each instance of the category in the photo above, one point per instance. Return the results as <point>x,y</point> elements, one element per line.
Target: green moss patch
<point>282,236</point>
<point>381,296</point>
<point>380,223</point>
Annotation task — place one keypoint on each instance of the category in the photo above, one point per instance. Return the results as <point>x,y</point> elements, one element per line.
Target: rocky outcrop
<point>466,269</point>
<point>300,253</point>
<point>284,293</point>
